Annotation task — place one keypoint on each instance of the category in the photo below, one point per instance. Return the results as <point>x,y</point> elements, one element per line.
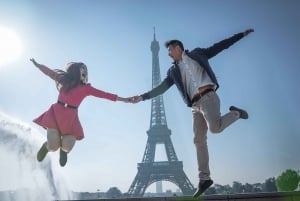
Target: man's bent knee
<point>215,129</point>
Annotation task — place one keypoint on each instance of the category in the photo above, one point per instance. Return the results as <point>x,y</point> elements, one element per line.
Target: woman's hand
<point>34,62</point>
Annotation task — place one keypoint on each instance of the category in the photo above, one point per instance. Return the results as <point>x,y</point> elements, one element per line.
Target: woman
<point>61,119</point>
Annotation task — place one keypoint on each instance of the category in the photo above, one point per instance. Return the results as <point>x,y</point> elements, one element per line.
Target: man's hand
<point>248,31</point>
<point>136,99</point>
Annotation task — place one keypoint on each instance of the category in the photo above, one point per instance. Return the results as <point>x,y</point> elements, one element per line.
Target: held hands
<point>125,100</point>
<point>248,31</point>
<point>34,62</point>
<point>133,99</point>
<point>136,99</point>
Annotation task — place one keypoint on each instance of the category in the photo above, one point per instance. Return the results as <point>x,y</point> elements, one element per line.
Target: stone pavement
<point>276,196</point>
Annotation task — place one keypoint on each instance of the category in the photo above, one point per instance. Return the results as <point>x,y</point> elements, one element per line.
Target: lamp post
<point>98,193</point>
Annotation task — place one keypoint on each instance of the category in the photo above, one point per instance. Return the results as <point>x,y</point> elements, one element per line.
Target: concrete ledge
<point>276,196</point>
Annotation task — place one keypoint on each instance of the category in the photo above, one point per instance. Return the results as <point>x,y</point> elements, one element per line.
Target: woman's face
<point>84,74</point>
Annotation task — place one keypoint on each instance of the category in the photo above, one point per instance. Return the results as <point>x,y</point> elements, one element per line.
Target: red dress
<point>65,119</point>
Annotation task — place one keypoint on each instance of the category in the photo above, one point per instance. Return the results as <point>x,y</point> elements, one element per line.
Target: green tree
<point>113,192</point>
<point>288,180</point>
<point>237,187</point>
<point>223,190</point>
<point>248,188</point>
<point>270,185</point>
<point>257,187</point>
<point>228,189</point>
<point>210,191</point>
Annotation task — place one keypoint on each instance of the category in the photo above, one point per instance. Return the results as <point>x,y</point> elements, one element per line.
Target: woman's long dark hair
<point>71,78</point>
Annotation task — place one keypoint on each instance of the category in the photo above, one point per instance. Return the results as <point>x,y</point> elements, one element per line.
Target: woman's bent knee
<point>68,142</point>
<point>52,146</point>
<point>53,139</point>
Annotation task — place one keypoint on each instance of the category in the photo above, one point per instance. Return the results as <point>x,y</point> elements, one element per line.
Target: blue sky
<point>259,73</point>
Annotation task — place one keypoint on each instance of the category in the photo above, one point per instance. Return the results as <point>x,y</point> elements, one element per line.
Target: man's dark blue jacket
<point>201,55</point>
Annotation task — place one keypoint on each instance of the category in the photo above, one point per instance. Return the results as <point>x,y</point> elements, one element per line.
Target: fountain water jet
<point>21,174</point>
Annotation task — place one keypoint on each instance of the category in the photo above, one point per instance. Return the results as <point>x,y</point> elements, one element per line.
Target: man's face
<point>175,53</point>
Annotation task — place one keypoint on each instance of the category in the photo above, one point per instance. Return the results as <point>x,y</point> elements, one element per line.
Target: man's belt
<point>67,105</point>
<point>198,96</point>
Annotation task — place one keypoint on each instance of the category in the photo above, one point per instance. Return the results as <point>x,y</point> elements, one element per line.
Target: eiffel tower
<point>150,171</point>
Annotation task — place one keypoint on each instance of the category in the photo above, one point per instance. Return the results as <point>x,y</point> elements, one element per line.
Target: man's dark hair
<point>174,43</point>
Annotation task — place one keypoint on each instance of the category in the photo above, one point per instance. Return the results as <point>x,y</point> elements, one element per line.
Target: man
<point>197,83</point>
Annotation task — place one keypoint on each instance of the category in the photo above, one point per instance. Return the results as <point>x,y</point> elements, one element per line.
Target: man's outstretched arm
<point>248,31</point>
<point>160,89</point>
<point>226,43</point>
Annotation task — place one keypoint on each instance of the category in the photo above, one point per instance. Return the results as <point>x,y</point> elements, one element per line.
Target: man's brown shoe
<point>203,185</point>
<point>243,113</point>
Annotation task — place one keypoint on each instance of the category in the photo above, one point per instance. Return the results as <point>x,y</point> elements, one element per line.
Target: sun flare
<point>10,45</point>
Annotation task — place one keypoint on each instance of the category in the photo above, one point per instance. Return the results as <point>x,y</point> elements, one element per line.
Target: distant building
<point>159,188</point>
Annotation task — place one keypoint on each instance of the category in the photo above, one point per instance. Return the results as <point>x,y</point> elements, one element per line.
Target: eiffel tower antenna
<point>150,171</point>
